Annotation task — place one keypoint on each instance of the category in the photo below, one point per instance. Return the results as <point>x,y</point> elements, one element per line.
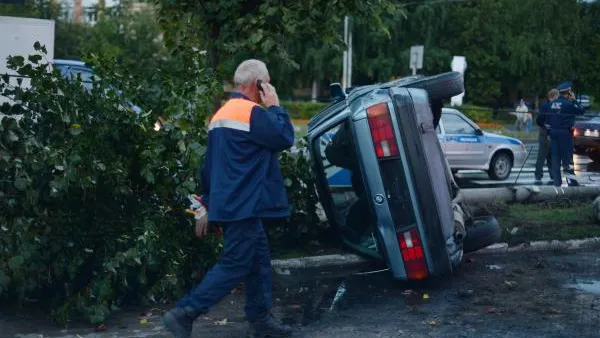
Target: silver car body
<point>468,147</point>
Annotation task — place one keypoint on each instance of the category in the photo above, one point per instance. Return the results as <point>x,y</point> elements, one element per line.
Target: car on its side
<point>384,182</point>
<point>467,147</point>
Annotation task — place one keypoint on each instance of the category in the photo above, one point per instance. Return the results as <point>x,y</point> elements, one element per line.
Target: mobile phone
<point>259,85</point>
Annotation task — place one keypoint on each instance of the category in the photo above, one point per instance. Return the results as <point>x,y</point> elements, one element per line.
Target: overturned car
<point>384,181</point>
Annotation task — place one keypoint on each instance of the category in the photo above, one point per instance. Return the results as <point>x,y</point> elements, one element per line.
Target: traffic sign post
<point>416,58</point>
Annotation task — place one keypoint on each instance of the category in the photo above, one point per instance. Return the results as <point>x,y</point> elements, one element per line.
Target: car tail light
<point>382,131</point>
<point>575,132</point>
<point>412,254</point>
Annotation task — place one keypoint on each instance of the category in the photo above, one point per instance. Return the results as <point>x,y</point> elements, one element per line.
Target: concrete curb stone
<point>283,267</point>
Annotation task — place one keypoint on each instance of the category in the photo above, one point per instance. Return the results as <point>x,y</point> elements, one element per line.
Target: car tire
<point>482,232</point>
<point>594,155</point>
<point>441,86</point>
<point>500,166</point>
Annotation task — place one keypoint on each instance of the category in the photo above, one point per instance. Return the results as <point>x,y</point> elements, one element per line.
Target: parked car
<point>384,182</point>
<point>70,69</point>
<point>584,101</point>
<point>468,147</point>
<point>586,137</point>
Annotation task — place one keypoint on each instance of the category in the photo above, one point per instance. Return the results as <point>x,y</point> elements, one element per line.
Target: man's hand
<point>268,95</point>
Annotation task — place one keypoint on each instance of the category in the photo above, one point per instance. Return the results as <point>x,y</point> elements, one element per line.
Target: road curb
<point>572,244</point>
<point>287,267</point>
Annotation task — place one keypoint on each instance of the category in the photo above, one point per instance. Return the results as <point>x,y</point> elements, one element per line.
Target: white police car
<point>467,147</point>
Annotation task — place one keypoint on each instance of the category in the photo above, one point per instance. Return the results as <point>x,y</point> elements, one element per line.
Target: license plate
<point>591,133</point>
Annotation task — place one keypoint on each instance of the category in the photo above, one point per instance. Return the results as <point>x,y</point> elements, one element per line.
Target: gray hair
<point>553,93</point>
<point>249,72</point>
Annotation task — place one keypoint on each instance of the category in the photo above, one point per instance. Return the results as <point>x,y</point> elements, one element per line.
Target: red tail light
<point>382,131</point>
<point>412,254</point>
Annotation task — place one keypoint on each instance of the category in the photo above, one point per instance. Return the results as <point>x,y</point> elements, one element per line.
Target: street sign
<point>459,64</point>
<point>416,58</point>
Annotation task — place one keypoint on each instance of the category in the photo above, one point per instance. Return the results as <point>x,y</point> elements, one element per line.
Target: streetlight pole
<point>347,57</point>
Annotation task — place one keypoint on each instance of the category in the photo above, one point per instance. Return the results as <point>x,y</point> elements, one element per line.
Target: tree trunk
<point>315,90</point>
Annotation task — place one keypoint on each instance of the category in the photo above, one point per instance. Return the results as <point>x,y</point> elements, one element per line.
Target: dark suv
<point>384,181</point>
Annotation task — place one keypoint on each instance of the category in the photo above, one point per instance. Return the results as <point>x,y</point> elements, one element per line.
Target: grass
<point>547,221</point>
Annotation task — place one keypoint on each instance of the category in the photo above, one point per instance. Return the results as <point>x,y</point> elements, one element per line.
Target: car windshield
<point>71,72</point>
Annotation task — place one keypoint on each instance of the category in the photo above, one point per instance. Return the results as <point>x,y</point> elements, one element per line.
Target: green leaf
<point>35,59</point>
<point>18,61</point>
<point>5,78</point>
<point>16,262</point>
<point>21,184</point>
<point>37,46</point>
<point>11,136</point>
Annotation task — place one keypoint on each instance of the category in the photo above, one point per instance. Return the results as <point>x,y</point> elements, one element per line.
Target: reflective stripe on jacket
<point>241,177</point>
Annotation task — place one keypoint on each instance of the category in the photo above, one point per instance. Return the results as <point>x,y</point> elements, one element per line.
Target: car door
<point>461,141</point>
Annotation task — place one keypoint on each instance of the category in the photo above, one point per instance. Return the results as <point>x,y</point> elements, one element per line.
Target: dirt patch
<point>513,295</point>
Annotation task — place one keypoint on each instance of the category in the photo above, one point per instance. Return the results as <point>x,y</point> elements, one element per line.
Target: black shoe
<point>179,321</point>
<point>269,327</point>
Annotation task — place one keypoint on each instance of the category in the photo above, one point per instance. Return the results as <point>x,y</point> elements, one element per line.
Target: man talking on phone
<point>242,184</point>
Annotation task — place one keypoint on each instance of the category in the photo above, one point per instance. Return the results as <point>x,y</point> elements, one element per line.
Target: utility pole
<point>347,58</point>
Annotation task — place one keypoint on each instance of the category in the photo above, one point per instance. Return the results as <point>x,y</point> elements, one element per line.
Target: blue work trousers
<point>246,257</point>
<point>562,153</point>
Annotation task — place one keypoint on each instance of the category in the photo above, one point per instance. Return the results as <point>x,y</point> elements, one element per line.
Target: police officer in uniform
<point>543,139</point>
<point>560,122</point>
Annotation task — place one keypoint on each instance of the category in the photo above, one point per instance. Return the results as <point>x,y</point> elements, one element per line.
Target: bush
<point>303,227</point>
<point>303,109</point>
<point>92,197</point>
<point>476,113</point>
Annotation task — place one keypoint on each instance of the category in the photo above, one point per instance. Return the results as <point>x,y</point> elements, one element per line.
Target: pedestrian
<point>544,153</point>
<point>242,184</point>
<point>521,113</point>
<point>560,120</point>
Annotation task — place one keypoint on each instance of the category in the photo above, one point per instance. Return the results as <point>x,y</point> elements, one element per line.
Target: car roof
<point>64,62</point>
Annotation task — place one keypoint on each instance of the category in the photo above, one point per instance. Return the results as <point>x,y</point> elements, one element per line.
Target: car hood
<point>593,123</point>
<point>497,138</point>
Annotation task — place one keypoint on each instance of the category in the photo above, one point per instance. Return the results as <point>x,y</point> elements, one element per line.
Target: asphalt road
<point>586,170</point>
<point>510,295</point>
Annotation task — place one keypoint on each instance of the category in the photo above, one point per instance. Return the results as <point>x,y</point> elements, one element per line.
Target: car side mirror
<point>478,132</point>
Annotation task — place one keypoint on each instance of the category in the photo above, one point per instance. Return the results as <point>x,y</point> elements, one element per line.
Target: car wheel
<point>481,233</point>
<point>594,155</point>
<point>500,167</point>
<point>438,87</point>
